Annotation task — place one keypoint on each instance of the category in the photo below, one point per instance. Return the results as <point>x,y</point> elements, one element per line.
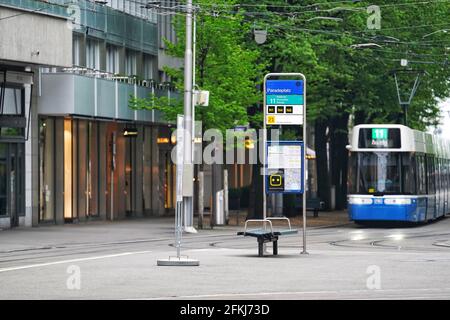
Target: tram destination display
<point>379,138</point>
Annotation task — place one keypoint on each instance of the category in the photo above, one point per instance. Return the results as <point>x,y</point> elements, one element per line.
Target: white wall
<point>23,34</point>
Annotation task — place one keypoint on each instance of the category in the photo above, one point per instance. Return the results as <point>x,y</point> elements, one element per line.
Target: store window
<point>47,170</point>
<point>3,179</point>
<point>67,169</point>
<point>147,170</point>
<point>93,170</point>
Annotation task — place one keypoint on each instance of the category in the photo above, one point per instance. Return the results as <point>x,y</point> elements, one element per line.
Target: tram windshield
<point>380,173</point>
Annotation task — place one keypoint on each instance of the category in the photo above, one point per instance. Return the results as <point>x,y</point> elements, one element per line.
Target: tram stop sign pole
<point>285,105</point>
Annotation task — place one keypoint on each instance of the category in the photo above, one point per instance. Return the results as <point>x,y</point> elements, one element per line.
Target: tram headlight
<point>352,200</point>
<point>397,201</point>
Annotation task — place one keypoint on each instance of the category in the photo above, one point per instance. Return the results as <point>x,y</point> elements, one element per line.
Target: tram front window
<point>376,173</point>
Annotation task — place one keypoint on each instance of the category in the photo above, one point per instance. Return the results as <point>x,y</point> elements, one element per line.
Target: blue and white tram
<point>397,174</point>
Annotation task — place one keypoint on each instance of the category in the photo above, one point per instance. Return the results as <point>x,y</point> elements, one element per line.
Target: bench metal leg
<point>275,247</point>
<point>260,247</point>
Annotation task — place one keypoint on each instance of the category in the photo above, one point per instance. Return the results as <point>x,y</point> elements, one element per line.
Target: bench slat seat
<point>264,235</point>
<point>261,232</point>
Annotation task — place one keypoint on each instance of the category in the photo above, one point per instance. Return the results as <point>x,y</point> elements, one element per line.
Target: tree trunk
<point>255,205</point>
<point>339,158</point>
<point>360,117</point>
<point>323,177</point>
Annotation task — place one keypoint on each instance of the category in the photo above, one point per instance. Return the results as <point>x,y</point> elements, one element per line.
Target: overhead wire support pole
<point>187,165</point>
<point>187,187</point>
<point>405,104</point>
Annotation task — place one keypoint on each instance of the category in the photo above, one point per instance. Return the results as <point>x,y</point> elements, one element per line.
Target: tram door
<point>11,181</point>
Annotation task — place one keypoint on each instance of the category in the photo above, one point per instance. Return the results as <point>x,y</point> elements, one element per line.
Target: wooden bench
<point>314,205</point>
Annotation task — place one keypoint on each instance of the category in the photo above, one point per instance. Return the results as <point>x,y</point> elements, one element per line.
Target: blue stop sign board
<point>284,87</point>
<point>284,102</point>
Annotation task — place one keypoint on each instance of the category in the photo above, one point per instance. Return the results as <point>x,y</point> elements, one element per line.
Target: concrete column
<point>31,158</point>
<point>59,171</point>
<point>138,172</point>
<point>103,150</point>
<point>157,188</point>
<point>120,197</point>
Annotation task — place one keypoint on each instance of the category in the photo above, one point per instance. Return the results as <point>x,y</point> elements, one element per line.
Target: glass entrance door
<point>3,180</point>
<point>12,181</point>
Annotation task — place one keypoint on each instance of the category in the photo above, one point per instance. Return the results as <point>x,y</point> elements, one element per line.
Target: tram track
<point>377,243</point>
<point>85,249</point>
<point>231,241</point>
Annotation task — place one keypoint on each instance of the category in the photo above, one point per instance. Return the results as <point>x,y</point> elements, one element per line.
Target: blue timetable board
<point>284,87</point>
<point>284,102</point>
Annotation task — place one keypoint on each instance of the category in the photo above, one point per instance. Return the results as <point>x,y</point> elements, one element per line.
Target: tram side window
<point>439,180</point>
<point>431,175</point>
<point>421,176</point>
<point>447,175</point>
<point>408,174</point>
<point>436,175</point>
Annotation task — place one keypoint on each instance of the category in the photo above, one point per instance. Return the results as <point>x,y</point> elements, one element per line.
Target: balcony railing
<point>84,92</point>
<point>132,80</point>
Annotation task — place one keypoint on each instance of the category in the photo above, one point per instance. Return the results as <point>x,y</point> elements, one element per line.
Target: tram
<point>397,174</point>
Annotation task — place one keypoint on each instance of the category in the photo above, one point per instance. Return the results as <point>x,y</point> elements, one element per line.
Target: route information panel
<point>285,166</point>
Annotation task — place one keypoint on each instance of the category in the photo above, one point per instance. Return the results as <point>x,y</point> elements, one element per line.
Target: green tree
<point>225,66</point>
<point>344,83</point>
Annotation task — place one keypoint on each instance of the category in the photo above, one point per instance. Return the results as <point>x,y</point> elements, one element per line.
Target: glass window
<point>147,170</point>
<point>148,66</point>
<point>408,174</point>
<point>76,51</point>
<point>112,59</point>
<point>93,169</point>
<point>377,173</point>
<point>3,178</point>
<point>13,101</point>
<point>92,54</point>
<point>68,168</point>
<point>81,172</point>
<point>431,173</point>
<point>46,170</point>
<point>421,176</point>
<point>130,63</point>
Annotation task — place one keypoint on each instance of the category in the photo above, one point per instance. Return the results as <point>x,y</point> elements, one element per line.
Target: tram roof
<point>411,141</point>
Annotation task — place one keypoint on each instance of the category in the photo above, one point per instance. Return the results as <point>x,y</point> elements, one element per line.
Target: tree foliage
<point>349,66</point>
<point>225,66</point>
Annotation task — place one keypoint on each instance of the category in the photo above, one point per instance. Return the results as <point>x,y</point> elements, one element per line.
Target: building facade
<point>70,147</point>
